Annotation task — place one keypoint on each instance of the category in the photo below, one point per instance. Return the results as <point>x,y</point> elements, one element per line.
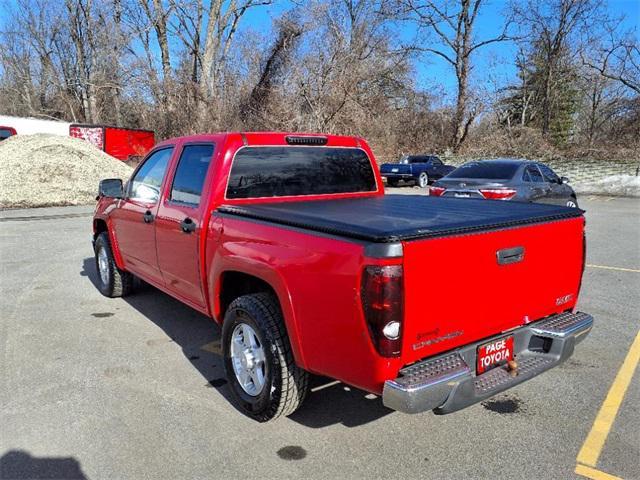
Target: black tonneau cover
<point>392,218</point>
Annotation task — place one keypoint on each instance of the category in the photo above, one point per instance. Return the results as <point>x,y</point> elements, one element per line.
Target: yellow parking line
<point>619,269</point>
<point>590,451</point>
<point>594,474</point>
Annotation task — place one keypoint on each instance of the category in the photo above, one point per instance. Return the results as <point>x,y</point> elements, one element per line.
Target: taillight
<point>436,191</point>
<point>381,294</point>
<point>498,194</point>
<point>584,257</point>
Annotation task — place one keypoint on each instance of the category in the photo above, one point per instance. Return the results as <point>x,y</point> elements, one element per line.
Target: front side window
<point>532,174</point>
<point>190,174</point>
<point>145,185</point>
<point>292,171</point>
<point>548,174</point>
<point>436,161</point>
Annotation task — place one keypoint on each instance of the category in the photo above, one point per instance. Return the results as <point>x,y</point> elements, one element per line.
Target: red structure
<point>122,143</point>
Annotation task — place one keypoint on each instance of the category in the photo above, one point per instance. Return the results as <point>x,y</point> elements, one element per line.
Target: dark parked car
<point>6,132</point>
<point>418,169</point>
<point>506,179</point>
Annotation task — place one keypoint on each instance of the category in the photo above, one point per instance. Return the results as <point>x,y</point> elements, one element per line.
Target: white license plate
<point>394,170</point>
<point>461,195</point>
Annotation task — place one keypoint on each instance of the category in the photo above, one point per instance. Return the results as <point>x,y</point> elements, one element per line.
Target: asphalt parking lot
<point>134,388</point>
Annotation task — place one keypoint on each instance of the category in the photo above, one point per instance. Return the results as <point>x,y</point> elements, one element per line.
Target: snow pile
<point>48,170</point>
<point>626,185</point>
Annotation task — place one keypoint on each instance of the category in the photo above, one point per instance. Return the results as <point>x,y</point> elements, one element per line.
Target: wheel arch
<point>235,282</point>
<point>99,226</point>
<point>102,225</point>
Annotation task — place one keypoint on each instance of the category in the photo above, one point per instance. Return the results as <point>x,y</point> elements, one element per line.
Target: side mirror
<point>564,180</point>
<point>110,187</point>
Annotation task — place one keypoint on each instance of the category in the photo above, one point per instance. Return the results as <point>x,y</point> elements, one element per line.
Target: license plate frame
<point>494,354</point>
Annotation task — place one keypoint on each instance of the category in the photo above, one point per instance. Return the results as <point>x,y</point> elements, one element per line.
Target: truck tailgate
<point>457,292</point>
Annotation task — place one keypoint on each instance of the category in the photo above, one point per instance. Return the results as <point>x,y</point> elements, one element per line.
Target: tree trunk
<point>460,114</point>
<point>546,102</point>
<point>160,24</point>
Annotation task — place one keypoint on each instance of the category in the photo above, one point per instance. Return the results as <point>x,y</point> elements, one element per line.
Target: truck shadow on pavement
<point>18,464</point>
<point>328,403</point>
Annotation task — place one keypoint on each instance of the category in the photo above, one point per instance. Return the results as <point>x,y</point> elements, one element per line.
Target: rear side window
<point>145,185</point>
<point>190,174</point>
<point>486,170</point>
<point>418,159</point>
<point>289,171</point>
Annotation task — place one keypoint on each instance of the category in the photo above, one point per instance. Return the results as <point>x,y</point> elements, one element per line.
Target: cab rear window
<point>259,172</point>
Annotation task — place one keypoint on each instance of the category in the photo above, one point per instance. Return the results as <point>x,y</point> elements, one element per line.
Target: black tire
<point>393,183</point>
<point>423,180</point>
<point>118,283</point>
<point>286,384</point>
<point>572,202</point>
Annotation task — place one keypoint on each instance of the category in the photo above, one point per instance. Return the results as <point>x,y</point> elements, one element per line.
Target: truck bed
<point>393,218</point>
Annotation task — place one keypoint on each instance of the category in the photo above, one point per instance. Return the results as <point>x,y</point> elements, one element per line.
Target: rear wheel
<point>258,359</point>
<point>112,282</point>
<point>423,180</point>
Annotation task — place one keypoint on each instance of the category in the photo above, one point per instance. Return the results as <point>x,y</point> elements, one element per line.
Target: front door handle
<point>187,225</point>
<point>148,216</point>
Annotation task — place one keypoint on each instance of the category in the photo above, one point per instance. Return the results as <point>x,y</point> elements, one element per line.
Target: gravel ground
<point>49,170</point>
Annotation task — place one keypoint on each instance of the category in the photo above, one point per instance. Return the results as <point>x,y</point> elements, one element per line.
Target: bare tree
<point>616,56</point>
<point>222,24</point>
<point>158,16</point>
<point>549,27</point>
<point>352,69</point>
<point>452,22</point>
<point>258,102</point>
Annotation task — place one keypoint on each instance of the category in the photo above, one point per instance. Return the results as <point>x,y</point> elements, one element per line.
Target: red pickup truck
<point>289,243</point>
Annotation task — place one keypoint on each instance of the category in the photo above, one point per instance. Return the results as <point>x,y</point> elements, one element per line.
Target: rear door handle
<point>187,225</point>
<point>147,217</point>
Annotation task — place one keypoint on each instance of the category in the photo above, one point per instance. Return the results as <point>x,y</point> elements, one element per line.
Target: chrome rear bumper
<point>448,383</point>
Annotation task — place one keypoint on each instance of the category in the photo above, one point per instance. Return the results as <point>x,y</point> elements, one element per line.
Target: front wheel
<point>423,180</point>
<point>258,360</point>
<point>112,282</point>
<point>572,202</point>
